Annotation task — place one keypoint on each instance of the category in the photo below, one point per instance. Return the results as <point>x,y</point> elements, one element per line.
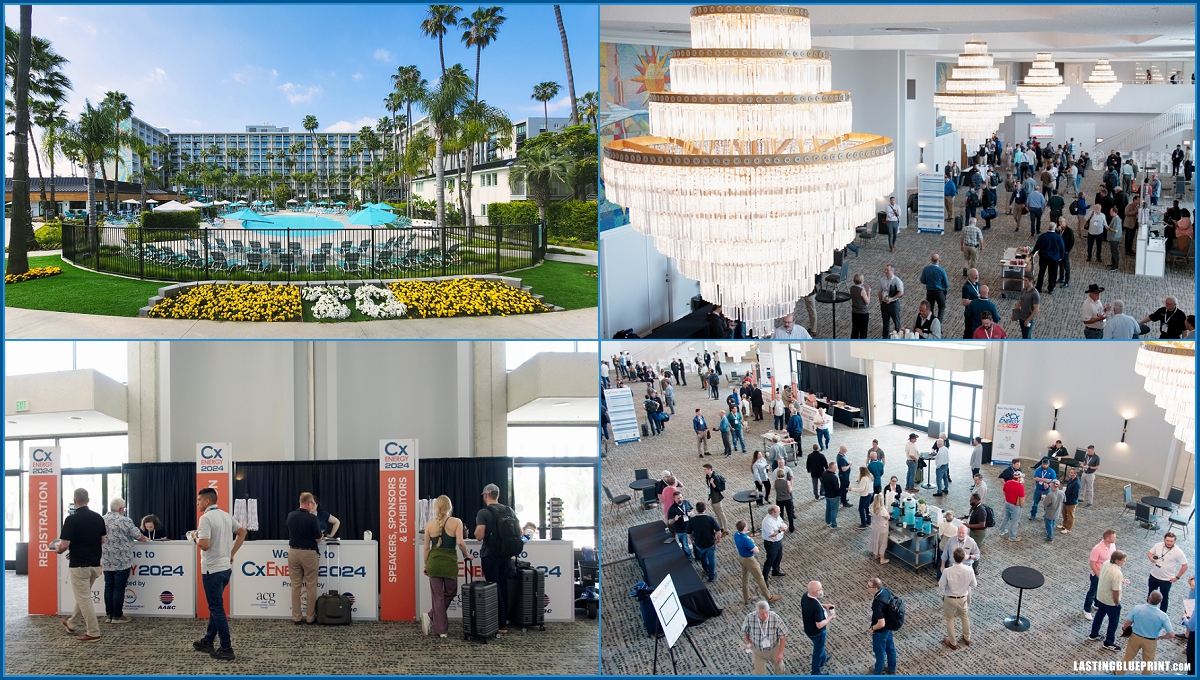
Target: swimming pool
<point>312,225</point>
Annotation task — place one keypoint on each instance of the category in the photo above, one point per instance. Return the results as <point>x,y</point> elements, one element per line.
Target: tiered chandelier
<point>1170,372</point>
<point>750,177</point>
<point>1043,89</point>
<point>975,101</point>
<point>1102,84</point>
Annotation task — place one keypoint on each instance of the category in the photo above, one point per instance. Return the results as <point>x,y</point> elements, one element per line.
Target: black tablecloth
<point>657,559</point>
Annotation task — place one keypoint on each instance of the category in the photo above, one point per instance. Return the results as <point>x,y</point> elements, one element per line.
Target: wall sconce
<point>922,147</point>
<point>1123,429</point>
<point>1054,427</point>
<point>1099,140</point>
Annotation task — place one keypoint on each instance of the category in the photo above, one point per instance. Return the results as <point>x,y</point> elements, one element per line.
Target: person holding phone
<point>817,617</point>
<point>1170,564</point>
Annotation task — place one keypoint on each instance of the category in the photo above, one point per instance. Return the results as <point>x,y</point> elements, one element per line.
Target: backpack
<point>1074,208</point>
<point>505,541</point>
<point>972,200</point>
<point>720,482</point>
<point>893,613</point>
<point>990,520</point>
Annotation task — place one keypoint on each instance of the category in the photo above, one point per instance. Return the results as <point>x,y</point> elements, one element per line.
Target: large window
<point>536,481</point>
<point>922,395</point>
<point>517,353</point>
<point>109,358</point>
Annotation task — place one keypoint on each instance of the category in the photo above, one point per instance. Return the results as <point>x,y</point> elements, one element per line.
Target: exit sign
<point>23,405</point>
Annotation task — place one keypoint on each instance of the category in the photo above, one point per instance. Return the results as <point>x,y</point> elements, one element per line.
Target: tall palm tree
<point>164,155</point>
<point>441,104</point>
<point>384,128</point>
<point>322,144</point>
<point>89,140</point>
<point>21,225</point>
<point>544,92</point>
<point>478,123</point>
<point>480,29</point>
<point>120,104</point>
<point>589,109</point>
<point>47,85</point>
<point>52,131</point>
<point>562,33</point>
<point>393,103</point>
<point>437,22</point>
<point>142,150</point>
<point>408,83</point>
<point>45,115</point>
<point>538,167</point>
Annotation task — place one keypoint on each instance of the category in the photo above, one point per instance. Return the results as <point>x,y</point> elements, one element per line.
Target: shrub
<point>49,235</point>
<point>177,221</point>
<point>568,219</point>
<point>247,302</point>
<point>35,273</point>
<point>464,297</point>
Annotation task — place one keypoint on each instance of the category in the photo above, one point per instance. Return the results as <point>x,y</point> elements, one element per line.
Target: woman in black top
<point>152,528</point>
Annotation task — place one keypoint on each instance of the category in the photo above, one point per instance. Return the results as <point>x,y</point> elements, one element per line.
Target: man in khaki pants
<point>746,552</point>
<point>84,534</point>
<point>955,588</point>
<point>1150,624</point>
<point>304,557</point>
<point>766,636</point>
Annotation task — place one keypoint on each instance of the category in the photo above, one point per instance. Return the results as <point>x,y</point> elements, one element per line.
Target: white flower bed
<point>328,301</point>
<point>365,301</point>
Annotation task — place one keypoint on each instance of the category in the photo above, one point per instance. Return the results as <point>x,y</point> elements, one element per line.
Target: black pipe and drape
<point>348,489</point>
<point>462,481</point>
<point>836,384</point>
<point>166,490</point>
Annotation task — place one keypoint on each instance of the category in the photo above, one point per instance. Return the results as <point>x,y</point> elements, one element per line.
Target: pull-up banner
<point>398,529</point>
<point>214,469</point>
<point>44,469</point>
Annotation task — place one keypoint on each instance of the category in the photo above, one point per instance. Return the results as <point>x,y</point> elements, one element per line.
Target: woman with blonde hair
<point>880,519</point>
<point>442,533</point>
<point>865,486</point>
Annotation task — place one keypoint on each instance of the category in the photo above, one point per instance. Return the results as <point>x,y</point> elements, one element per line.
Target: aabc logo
<point>211,459</point>
<point>396,457</point>
<point>167,598</point>
<point>42,462</point>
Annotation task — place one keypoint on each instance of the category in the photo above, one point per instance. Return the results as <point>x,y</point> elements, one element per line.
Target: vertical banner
<point>398,529</point>
<point>931,208</point>
<point>766,365</point>
<point>622,416</point>
<point>1006,439</point>
<point>214,469</point>
<point>44,469</point>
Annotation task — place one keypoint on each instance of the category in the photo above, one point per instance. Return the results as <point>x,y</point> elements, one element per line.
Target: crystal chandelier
<point>751,176</point>
<point>1043,89</point>
<point>1102,84</point>
<point>975,101</point>
<point>1170,372</point>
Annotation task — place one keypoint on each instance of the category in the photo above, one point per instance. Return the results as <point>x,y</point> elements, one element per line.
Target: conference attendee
<point>875,467</point>
<point>706,534</point>
<point>1035,203</point>
<point>1049,248</point>
<point>795,427</point>
<point>975,523</point>
<point>766,636</point>
<point>970,244</point>
<point>833,494</point>
<point>777,455</point>
<point>790,330</point>
<point>760,471</point>
<point>777,411</point>
<point>882,642</point>
<point>1171,320</point>
<point>116,559</point>
<point>666,488</point>
<point>955,586</point>
<point>1097,558</point>
<point>726,438</point>
<point>677,521</point>
<point>822,421</point>
<point>1147,624</point>
<point>911,456</point>
<point>1028,307</point>
<point>1170,564</point>
<point>877,542</point>
<point>84,533</point>
<point>668,393</point>
<point>152,528</point>
<point>976,461</point>
<point>773,529</point>
<point>937,284</point>
<point>304,558</point>
<point>1189,325</point>
<point>1097,223</point>
<point>875,449</point>
<point>942,468</point>
<point>1014,499</point>
<point>1108,600</point>
<point>1052,506</point>
<point>783,497</point>
<point>982,314</point>
<point>492,558</point>
<point>949,191</point>
<point>891,289</point>
<point>756,401</point>
<point>864,490</point>
<point>443,534</point>
<point>746,552</point>
<point>736,428</point>
<point>1071,499</point>
<point>1094,312</point>
<point>219,536</point>
<point>970,292</point>
<point>1042,476</point>
<point>892,490</point>
<point>860,307</point>
<point>926,325</point>
<point>328,523</point>
<point>1013,468</point>
<point>700,427</point>
<point>892,213</point>
<point>1091,463</point>
<point>1176,159</point>
<point>604,372</point>
<point>816,617</point>
<point>979,487</point>
<point>716,494</point>
<point>1131,220</point>
<point>1113,234</point>
<point>816,466</point>
<point>714,383</point>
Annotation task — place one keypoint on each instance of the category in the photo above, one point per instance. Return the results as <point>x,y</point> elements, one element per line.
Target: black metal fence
<point>303,254</point>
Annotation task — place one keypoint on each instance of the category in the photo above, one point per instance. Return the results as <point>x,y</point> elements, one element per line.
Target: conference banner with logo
<point>555,559</point>
<point>398,529</point>
<point>162,582</point>
<point>262,585</point>
<point>622,416</point>
<point>214,469</point>
<point>44,481</point>
<point>1006,438</point>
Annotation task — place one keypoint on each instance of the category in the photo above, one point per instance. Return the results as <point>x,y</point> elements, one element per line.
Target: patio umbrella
<point>173,206</point>
<point>257,203</point>
<point>151,200</point>
<point>221,202</point>
<point>247,215</point>
<point>308,203</point>
<point>269,203</point>
<point>131,200</point>
<point>340,203</point>
<point>371,217</point>
<point>237,203</point>
<point>322,203</point>
<point>195,204</point>
<point>292,200</point>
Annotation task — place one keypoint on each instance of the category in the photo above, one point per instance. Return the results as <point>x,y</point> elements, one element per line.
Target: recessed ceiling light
<point>899,30</point>
<point>76,418</point>
<point>12,422</point>
<point>563,403</point>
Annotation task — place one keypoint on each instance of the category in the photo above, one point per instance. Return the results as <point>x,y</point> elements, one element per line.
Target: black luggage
<point>528,607</point>
<point>958,223</point>
<point>480,609</point>
<point>333,608</point>
<point>645,430</point>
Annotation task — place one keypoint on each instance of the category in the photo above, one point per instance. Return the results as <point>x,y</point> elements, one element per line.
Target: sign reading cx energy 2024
<point>44,469</point>
<point>214,469</point>
<point>397,528</point>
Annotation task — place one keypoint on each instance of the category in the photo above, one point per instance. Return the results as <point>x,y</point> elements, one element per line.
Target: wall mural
<point>628,74</point>
<point>940,126</point>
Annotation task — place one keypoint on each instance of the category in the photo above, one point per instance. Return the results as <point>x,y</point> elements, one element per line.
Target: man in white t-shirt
<point>911,455</point>
<point>790,330</point>
<point>1170,564</point>
<point>1094,312</point>
<point>215,538</point>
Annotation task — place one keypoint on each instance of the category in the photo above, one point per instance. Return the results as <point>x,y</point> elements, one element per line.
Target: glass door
<point>966,404</point>
<point>102,484</point>
<point>923,399</point>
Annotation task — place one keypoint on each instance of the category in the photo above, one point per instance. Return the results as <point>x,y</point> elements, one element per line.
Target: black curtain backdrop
<point>348,489</point>
<point>462,481</point>
<point>836,384</point>
<point>167,490</point>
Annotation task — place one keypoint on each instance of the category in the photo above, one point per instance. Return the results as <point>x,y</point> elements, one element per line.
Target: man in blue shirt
<point>1051,248</point>
<point>1150,624</point>
<point>701,429</point>
<point>746,552</point>
<point>936,285</point>
<point>1042,476</point>
<point>977,307</point>
<point>951,191</point>
<point>1036,203</point>
<point>881,638</point>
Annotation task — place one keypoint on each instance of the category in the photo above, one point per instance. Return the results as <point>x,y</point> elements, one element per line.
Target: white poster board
<point>555,559</point>
<point>931,208</point>
<point>622,415</point>
<point>261,586</point>
<point>1006,438</point>
<point>808,415</point>
<point>162,582</point>
<point>669,610</point>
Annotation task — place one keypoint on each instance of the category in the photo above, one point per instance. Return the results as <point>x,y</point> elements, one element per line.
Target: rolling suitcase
<point>529,606</point>
<point>958,222</point>
<point>333,608</point>
<point>480,609</point>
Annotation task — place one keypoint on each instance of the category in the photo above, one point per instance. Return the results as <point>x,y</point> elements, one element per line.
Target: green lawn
<point>565,284</point>
<point>80,291</point>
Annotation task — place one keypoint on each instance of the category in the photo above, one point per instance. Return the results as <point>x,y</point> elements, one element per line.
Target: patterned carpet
<point>1059,316</point>
<point>39,645</point>
<point>839,559</point>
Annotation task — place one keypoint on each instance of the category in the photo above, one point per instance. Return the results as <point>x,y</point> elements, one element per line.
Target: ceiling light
<point>563,403</point>
<point>12,422</point>
<point>1102,84</point>
<point>1170,372</point>
<point>76,418</point>
<point>1043,89</point>
<point>750,177</point>
<point>911,30</point>
<point>975,100</point>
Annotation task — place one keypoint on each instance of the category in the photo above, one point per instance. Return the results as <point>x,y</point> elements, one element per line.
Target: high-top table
<point>1021,578</point>
<point>749,498</point>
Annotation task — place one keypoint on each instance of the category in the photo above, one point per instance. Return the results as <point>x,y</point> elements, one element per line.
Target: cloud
<point>383,55</point>
<point>348,126</point>
<point>297,94</point>
<point>554,107</point>
<point>157,76</point>
<point>85,27</point>
<point>357,76</point>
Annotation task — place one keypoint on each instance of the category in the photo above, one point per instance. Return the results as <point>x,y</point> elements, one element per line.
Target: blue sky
<point>208,68</point>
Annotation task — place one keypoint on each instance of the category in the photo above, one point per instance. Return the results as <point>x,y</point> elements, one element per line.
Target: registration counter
<point>261,586</point>
<point>162,581</point>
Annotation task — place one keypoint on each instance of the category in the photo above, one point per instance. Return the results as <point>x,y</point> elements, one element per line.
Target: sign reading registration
<point>397,528</point>
<point>44,469</point>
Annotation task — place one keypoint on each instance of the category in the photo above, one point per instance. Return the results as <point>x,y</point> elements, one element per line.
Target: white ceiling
<point>61,423</point>
<point>557,410</point>
<point>1013,32</point>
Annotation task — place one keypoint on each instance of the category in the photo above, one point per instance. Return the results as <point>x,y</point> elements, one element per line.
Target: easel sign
<point>669,610</point>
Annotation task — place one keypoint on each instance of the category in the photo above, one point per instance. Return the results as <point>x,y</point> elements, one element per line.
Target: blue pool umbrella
<point>371,217</point>
<point>247,215</point>
<point>381,206</point>
<point>340,203</point>
<point>308,203</point>
<point>269,203</point>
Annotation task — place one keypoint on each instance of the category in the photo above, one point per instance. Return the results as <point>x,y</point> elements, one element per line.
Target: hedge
<point>568,219</point>
<point>170,221</point>
<point>49,235</point>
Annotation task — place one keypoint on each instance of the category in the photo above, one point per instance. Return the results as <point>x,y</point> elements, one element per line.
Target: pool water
<point>313,225</point>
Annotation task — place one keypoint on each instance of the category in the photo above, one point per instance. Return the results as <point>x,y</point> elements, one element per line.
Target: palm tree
<point>89,140</point>
<point>52,130</point>
<point>384,128</point>
<point>441,104</point>
<point>481,28</point>
<point>538,167</point>
<point>408,83</point>
<point>22,222</point>
<point>437,21</point>
<point>123,109</point>
<point>544,92</point>
<point>589,109</point>
<point>164,154</point>
<point>45,115</point>
<point>142,150</point>
<point>322,143</point>
<point>562,33</point>
<point>478,123</point>
<point>393,102</point>
<point>47,85</point>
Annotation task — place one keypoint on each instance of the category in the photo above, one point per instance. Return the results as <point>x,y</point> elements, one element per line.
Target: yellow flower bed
<point>35,273</point>
<point>464,297</point>
<point>250,302</point>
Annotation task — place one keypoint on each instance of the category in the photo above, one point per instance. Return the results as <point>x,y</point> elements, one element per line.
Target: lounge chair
<point>316,264</point>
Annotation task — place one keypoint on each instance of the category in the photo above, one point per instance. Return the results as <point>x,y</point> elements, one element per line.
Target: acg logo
<point>210,453</point>
<point>269,569</point>
<point>264,600</point>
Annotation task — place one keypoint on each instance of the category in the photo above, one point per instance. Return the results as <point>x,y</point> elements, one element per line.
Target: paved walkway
<point>30,323</point>
<point>591,257</point>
